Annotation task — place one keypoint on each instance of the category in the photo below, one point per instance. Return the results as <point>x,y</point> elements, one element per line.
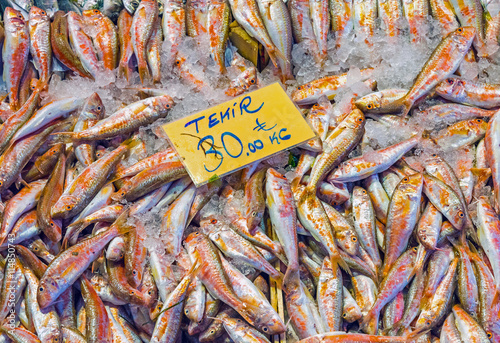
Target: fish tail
<point>370,322</point>
<point>143,72</point>
<point>291,279</point>
<point>63,137</point>
<point>275,55</point>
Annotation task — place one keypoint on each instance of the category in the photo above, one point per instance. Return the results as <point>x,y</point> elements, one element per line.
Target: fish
<point>246,13</point>
<point>104,36</point>
<point>443,62</point>
<point>309,93</point>
<point>82,44</point>
<point>174,26</point>
<point>15,53</point>
<point>143,23</point>
<point>402,218</point>
<point>469,92</point>
<point>61,48</point>
<point>40,46</point>
<point>218,12</point>
<point>124,24</point>
<point>278,24</point>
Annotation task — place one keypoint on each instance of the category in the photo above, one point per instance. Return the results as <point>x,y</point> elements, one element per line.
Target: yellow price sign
<point>227,137</point>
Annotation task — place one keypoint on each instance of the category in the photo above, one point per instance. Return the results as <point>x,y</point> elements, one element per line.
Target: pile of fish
<point>105,239</point>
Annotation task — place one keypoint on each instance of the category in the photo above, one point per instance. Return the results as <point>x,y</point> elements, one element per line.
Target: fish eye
<point>434,155</point>
<point>405,179</point>
<point>150,292</point>
<point>96,11</point>
<point>354,239</point>
<point>158,307</point>
<point>99,108</point>
<point>252,81</point>
<point>1,183</point>
<point>254,214</point>
<point>369,106</point>
<point>132,292</point>
<point>428,323</point>
<point>460,30</point>
<point>212,332</point>
<point>186,311</point>
<point>69,207</point>
<point>344,315</point>
<point>52,224</point>
<point>43,13</point>
<point>134,272</point>
<point>41,289</point>
<point>167,106</point>
<point>489,335</point>
<point>450,81</point>
<point>415,249</point>
<point>461,214</point>
<point>360,120</point>
<point>263,329</point>
<point>56,339</point>
<point>213,221</point>
<point>177,63</point>
<point>479,121</point>
<point>299,88</point>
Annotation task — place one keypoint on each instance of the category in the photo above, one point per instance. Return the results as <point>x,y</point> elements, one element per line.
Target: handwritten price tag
<point>226,137</point>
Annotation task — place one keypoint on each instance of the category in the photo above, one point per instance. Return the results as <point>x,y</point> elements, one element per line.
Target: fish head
<point>355,120</point>
<point>305,94</point>
<point>193,238</point>
<point>456,216</point>
<point>348,241</point>
<point>478,125</point>
<point>48,291</point>
<point>452,86</point>
<point>164,103</point>
<point>369,103</point>
<point>425,321</point>
<point>463,37</point>
<point>269,323</point>
<point>412,183</point>
<point>63,207</point>
<point>93,107</point>
<point>13,19</point>
<point>37,15</point>
<point>492,330</point>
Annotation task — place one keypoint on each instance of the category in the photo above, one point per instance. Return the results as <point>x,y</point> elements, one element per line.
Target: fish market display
<point>384,227</point>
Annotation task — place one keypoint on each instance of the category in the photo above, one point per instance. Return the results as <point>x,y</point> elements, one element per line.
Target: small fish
<point>40,46</point>
<point>82,44</point>
<point>469,92</point>
<point>443,62</point>
<point>15,53</point>
<point>143,24</point>
<point>309,93</point>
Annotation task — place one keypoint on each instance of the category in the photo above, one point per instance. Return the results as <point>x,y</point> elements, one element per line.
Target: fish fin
<point>63,137</point>
<point>406,107</point>
<point>337,259</point>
